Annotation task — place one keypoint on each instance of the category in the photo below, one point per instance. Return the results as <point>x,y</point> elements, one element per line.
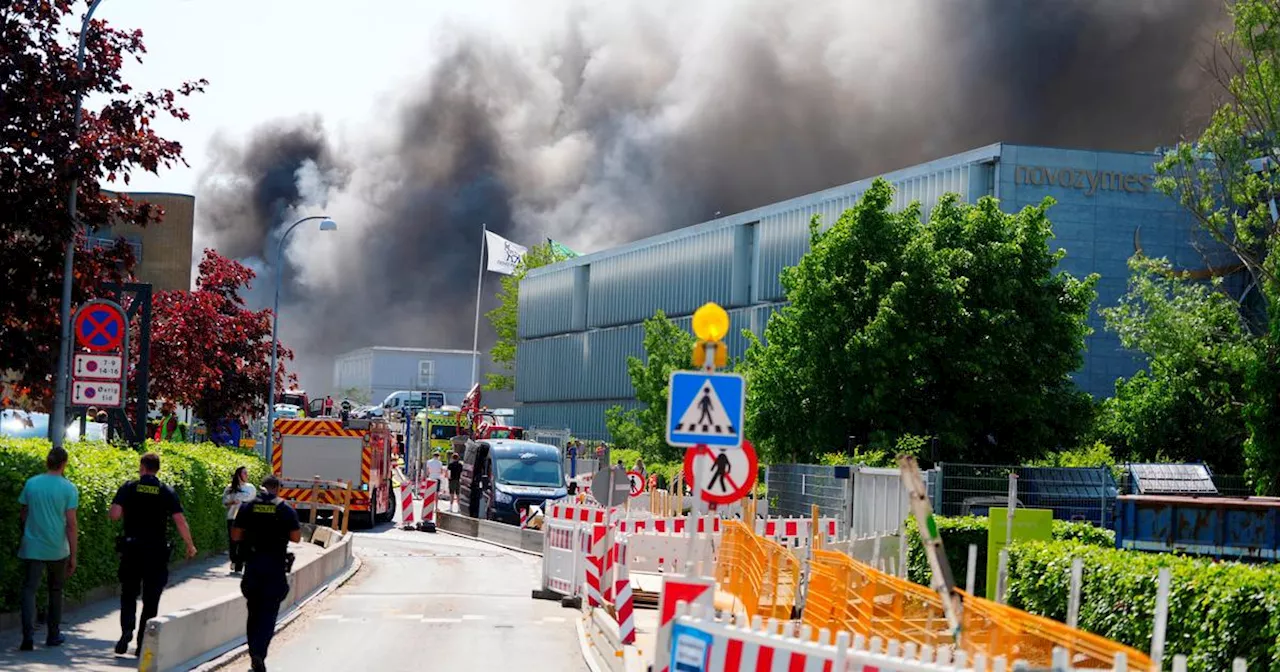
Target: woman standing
<point>237,493</point>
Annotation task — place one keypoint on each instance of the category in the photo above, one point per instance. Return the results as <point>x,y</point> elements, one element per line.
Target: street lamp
<point>326,224</point>
<point>58,417</point>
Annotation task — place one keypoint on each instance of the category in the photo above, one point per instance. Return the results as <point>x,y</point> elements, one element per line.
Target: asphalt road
<point>431,602</point>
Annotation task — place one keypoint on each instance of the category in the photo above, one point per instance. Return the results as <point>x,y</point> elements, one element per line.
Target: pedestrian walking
<point>328,406</point>
<point>146,506</point>
<point>455,479</point>
<point>239,491</point>
<point>264,527</point>
<point>639,467</point>
<point>48,518</point>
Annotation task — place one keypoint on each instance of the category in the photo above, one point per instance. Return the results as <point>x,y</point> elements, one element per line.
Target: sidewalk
<point>92,630</point>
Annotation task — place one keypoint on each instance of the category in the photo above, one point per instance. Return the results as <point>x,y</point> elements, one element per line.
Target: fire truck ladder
<point>942,582</point>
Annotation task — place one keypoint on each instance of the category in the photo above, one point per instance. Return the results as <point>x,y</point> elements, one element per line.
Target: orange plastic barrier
<point>845,594</point>
<point>762,574</point>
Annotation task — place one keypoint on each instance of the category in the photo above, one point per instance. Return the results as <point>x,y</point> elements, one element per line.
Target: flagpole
<point>475,340</point>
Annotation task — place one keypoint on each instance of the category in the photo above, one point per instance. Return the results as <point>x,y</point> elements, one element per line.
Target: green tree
<point>956,328</point>
<point>1227,180</point>
<point>667,348</point>
<point>1186,405</point>
<point>506,317</point>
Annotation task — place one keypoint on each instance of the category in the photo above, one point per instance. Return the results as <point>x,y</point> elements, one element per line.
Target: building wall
<point>163,248</point>
<point>379,371</point>
<point>580,319</point>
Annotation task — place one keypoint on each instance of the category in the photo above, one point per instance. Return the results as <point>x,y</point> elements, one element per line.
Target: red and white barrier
<point>796,532</point>
<point>564,557</point>
<point>674,525</point>
<point>581,513</point>
<point>430,500</point>
<point>595,566</point>
<point>624,605</point>
<point>406,507</point>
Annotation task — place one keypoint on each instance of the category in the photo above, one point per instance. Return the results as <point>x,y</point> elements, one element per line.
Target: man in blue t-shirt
<point>48,516</point>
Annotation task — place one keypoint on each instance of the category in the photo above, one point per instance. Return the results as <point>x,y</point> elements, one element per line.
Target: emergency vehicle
<point>358,451</point>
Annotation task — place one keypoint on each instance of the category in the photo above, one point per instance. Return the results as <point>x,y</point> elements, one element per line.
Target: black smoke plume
<point>643,117</point>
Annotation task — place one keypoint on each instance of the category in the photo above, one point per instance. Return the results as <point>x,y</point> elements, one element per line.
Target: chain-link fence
<point>1073,493</point>
<point>1233,485</point>
<point>795,488</point>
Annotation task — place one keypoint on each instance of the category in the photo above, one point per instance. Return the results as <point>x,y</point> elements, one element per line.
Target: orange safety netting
<point>760,573</point>
<point>847,595</point>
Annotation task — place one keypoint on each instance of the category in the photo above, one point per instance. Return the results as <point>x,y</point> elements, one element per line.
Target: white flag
<point>504,255</point>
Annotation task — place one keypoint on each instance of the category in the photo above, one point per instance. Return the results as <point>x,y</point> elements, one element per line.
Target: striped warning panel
<point>277,458</point>
<point>314,427</point>
<point>366,462</point>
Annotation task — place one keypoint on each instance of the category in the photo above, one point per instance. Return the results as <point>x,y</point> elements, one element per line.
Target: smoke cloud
<point>641,117</point>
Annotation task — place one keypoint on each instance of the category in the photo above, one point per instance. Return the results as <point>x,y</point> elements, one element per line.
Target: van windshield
<point>443,431</point>
<point>542,473</point>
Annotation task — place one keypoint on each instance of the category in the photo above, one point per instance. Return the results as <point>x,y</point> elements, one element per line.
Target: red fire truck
<point>357,451</point>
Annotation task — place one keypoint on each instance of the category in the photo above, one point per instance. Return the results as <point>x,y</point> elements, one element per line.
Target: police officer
<point>264,527</point>
<point>146,505</point>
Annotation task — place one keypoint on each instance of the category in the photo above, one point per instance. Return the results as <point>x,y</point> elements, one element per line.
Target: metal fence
<point>1073,493</point>
<point>1233,485</point>
<point>795,488</point>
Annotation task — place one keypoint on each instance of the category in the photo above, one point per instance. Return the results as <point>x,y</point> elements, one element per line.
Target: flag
<point>504,255</point>
<point>561,250</point>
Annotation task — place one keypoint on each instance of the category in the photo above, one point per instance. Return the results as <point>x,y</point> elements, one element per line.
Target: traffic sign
<point>675,589</point>
<point>637,483</point>
<point>611,486</point>
<point>724,475</point>
<point>95,393</point>
<point>100,326</point>
<point>705,408</point>
<point>98,367</point>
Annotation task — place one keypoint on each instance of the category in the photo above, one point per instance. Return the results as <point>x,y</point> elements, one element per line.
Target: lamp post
<point>58,415</point>
<point>326,224</point>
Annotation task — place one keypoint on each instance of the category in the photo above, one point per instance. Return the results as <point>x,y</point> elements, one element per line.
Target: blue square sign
<point>705,408</point>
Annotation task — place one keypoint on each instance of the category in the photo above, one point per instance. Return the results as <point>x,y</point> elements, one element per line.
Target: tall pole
<point>475,339</point>
<point>58,416</point>
<point>275,339</point>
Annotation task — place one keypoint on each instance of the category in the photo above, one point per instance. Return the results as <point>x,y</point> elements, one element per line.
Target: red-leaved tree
<point>40,155</point>
<point>209,352</point>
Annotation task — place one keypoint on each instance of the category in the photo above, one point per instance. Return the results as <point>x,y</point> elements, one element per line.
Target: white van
<point>412,402</point>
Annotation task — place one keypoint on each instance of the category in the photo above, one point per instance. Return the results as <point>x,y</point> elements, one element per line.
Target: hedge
<point>198,472</point>
<point>958,532</point>
<point>1217,610</point>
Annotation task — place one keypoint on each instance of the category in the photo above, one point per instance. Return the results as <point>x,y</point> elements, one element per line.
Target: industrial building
<point>580,319</point>
<point>162,249</point>
<point>379,371</point>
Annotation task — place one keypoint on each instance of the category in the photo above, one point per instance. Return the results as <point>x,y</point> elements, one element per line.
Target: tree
<point>209,352</point>
<point>1228,180</point>
<point>506,317</point>
<point>667,348</point>
<point>957,329</point>
<point>1185,406</point>
<point>40,155</point>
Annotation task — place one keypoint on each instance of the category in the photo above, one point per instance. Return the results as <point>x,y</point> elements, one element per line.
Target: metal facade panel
<point>584,419</point>
<point>546,304</point>
<point>677,275</point>
<point>550,368</point>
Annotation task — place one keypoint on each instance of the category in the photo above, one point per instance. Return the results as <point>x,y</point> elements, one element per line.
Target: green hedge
<point>958,532</point>
<point>1217,610</point>
<point>198,472</point>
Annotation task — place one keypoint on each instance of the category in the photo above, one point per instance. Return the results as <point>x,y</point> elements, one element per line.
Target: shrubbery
<point>1217,610</point>
<point>959,532</point>
<point>198,472</point>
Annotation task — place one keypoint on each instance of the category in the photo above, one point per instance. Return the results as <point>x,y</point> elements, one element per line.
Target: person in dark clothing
<point>455,479</point>
<point>146,506</point>
<point>263,528</point>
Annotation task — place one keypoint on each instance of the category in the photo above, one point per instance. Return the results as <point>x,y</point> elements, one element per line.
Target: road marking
<point>329,617</point>
<point>410,617</point>
<point>441,620</point>
<point>473,617</point>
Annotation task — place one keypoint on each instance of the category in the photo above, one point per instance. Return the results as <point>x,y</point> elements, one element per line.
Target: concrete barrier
<point>185,638</point>
<point>487,530</point>
<point>452,522</point>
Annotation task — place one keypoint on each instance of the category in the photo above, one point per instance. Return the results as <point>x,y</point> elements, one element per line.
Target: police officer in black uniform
<point>264,527</point>
<point>146,505</point>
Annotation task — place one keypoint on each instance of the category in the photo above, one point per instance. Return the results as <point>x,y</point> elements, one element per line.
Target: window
<point>426,373</point>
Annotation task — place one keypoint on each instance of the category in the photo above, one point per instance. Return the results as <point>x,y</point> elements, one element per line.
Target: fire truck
<point>357,450</point>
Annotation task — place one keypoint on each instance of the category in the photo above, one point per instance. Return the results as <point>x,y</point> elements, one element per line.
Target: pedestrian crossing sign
<point>705,408</point>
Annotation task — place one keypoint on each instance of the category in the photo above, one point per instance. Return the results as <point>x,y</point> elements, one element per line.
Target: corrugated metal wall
<point>733,262</point>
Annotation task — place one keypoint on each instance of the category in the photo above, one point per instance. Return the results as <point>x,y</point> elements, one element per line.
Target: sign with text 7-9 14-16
<point>705,408</point>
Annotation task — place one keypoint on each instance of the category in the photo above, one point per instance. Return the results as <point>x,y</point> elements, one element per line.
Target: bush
<point>198,472</point>
<point>1217,610</point>
<point>958,532</point>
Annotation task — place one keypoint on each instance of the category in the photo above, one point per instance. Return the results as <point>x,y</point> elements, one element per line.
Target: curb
<point>587,655</point>
<point>227,657</point>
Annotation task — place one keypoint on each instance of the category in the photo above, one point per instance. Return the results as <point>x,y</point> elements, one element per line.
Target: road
<point>431,602</point>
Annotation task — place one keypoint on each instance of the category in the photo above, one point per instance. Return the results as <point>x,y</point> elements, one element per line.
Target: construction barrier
<point>406,508</point>
<point>318,495</point>
<point>759,575</point>
<point>430,501</point>
<point>796,532</point>
<point>624,605</point>
<point>566,547</point>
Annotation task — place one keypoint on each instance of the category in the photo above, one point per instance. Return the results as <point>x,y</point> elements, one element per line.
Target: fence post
<point>1002,576</point>
<point>1161,618</point>
<point>1073,598</point>
<point>971,572</point>
<point>333,521</point>
<point>315,494</point>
